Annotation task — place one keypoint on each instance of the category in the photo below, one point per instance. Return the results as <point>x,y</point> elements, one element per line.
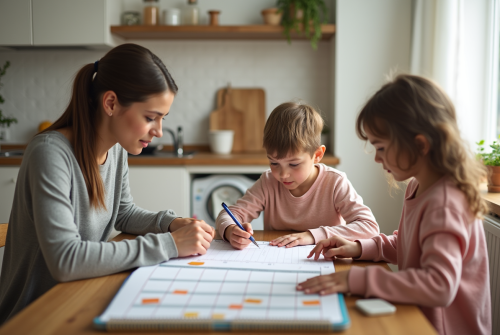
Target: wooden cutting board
<point>252,103</point>
<point>227,117</point>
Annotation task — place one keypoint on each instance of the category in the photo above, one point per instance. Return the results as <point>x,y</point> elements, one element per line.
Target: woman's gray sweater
<point>55,236</point>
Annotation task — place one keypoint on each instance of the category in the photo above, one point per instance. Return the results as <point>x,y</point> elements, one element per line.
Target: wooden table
<point>69,308</point>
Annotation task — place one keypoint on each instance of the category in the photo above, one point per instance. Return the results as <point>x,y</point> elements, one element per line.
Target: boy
<point>298,193</point>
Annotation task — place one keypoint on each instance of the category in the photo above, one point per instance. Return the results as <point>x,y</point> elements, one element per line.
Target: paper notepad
<point>216,292</point>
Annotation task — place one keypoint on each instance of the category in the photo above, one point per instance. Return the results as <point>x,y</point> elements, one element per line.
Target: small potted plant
<point>492,162</point>
<point>303,16</point>
<point>5,121</point>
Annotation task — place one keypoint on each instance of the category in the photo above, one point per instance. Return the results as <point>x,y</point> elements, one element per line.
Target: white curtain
<point>455,43</point>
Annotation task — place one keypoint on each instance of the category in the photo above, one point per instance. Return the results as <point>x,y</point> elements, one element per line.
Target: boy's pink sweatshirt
<point>323,209</point>
<point>441,253</point>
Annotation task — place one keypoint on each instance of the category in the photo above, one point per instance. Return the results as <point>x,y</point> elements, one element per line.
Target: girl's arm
<point>246,209</point>
<point>380,248</point>
<point>55,217</point>
<point>435,282</point>
<point>361,223</point>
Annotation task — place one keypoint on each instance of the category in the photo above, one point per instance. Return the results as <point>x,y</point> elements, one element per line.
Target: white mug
<point>172,17</point>
<point>221,141</point>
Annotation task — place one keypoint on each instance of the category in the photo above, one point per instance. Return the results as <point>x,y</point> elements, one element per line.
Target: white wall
<point>37,86</point>
<point>373,38</point>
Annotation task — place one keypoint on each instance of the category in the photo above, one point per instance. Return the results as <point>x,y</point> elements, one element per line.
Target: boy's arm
<point>246,209</point>
<point>361,223</point>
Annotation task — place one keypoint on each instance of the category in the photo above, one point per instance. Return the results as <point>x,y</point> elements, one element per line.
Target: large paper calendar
<point>227,289</point>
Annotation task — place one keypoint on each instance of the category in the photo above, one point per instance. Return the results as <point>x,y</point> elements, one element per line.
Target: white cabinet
<point>8,179</point>
<point>15,23</point>
<point>58,22</point>
<point>160,188</point>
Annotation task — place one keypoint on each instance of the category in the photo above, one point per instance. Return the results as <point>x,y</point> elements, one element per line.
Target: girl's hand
<point>182,222</point>
<point>238,238</point>
<point>327,284</point>
<point>336,247</point>
<point>292,240</point>
<point>193,238</point>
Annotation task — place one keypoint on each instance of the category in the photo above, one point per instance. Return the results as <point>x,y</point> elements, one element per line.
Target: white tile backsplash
<point>37,85</point>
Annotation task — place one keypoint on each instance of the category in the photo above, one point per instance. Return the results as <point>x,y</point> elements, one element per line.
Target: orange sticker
<point>310,302</point>
<point>150,301</point>
<point>235,306</point>
<point>196,263</point>
<point>180,292</point>
<point>218,316</point>
<point>253,301</point>
<point>192,315</point>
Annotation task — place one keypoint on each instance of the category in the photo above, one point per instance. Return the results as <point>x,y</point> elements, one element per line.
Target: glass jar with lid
<point>151,13</point>
<point>192,13</point>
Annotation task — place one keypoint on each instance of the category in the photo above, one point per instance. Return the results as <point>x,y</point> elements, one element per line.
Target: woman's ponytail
<point>82,118</point>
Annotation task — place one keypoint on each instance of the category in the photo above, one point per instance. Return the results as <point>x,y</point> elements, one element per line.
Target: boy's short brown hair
<point>291,128</point>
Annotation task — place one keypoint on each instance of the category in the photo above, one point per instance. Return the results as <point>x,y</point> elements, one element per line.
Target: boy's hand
<point>327,284</point>
<point>238,238</point>
<point>192,239</point>
<point>336,247</point>
<point>292,240</point>
<point>182,222</point>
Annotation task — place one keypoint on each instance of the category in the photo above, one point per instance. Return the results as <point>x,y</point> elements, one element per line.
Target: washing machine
<point>208,193</point>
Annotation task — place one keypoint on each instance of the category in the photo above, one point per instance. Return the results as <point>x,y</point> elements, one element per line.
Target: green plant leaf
<point>5,120</point>
<point>315,13</point>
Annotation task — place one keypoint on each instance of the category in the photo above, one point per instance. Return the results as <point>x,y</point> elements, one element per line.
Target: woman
<point>73,185</point>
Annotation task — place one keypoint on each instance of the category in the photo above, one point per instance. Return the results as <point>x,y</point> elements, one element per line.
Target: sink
<point>166,154</point>
<point>12,153</point>
<point>169,154</point>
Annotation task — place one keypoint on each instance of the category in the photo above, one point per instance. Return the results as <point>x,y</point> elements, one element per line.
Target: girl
<point>73,185</point>
<point>440,246</point>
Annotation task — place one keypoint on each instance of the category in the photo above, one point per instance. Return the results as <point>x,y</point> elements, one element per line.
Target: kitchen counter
<point>208,158</point>
<point>200,158</point>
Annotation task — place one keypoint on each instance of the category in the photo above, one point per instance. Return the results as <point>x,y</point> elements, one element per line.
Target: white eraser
<point>373,307</point>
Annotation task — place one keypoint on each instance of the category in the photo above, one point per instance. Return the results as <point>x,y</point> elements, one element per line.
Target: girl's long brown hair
<point>412,105</point>
<point>131,71</point>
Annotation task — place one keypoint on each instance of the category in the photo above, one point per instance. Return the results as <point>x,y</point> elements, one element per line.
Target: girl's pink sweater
<point>324,209</point>
<point>441,253</point>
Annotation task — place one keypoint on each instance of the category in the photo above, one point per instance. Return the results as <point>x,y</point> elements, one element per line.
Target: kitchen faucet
<point>178,141</point>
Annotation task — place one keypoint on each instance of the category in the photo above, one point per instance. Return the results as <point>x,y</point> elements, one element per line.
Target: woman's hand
<point>336,247</point>
<point>327,284</point>
<point>193,238</point>
<point>292,240</point>
<point>238,238</point>
<point>182,222</point>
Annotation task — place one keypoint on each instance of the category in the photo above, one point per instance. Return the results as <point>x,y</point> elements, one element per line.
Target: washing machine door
<point>208,193</point>
<point>228,194</point>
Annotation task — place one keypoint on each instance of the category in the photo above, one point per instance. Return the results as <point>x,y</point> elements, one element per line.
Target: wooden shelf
<point>249,32</point>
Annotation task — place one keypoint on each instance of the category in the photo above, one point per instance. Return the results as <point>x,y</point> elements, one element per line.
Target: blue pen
<point>238,223</point>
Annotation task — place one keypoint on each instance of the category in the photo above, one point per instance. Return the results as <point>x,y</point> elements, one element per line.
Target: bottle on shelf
<point>192,13</point>
<point>214,17</point>
<point>151,13</point>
